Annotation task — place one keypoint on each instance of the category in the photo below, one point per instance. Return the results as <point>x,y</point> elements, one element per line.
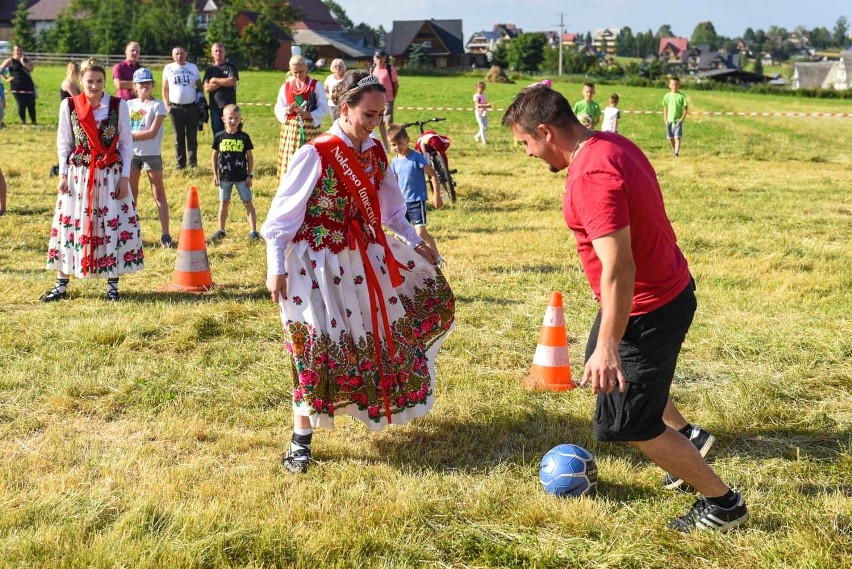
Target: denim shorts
<point>674,130</point>
<point>649,351</point>
<point>154,163</point>
<point>416,212</point>
<point>226,186</point>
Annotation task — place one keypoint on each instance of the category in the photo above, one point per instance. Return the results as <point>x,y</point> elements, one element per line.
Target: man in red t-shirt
<point>386,74</point>
<point>122,72</point>
<point>629,253</point>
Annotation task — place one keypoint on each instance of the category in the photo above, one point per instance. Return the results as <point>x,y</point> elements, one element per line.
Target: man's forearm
<point>616,302</point>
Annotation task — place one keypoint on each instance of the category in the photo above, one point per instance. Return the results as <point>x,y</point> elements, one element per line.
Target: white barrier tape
<point>701,113</point>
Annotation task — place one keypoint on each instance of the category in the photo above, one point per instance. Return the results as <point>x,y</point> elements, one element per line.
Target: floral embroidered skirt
<point>115,235</point>
<point>289,141</point>
<point>328,331</point>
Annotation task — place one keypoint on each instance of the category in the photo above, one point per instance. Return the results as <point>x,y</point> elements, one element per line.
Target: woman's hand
<point>63,185</point>
<point>277,287</point>
<point>123,188</point>
<point>427,253</point>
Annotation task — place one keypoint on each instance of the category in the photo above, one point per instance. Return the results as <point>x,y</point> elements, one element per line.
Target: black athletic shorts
<point>649,351</point>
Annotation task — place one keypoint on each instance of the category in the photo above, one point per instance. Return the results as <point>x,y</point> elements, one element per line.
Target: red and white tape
<point>701,113</point>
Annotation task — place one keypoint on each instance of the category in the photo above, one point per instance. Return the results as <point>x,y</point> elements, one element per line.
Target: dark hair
<point>397,132</point>
<point>348,91</point>
<point>589,84</point>
<point>614,98</point>
<point>539,104</point>
<point>674,78</point>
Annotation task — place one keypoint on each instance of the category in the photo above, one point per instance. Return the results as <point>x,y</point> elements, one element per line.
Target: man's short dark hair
<point>539,104</point>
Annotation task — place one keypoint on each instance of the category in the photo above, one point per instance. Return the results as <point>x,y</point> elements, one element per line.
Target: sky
<point>729,17</point>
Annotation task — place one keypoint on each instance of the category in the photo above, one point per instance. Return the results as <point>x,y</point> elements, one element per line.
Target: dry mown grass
<point>148,433</point>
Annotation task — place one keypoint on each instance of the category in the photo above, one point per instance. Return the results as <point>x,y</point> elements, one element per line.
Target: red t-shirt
<point>610,185</point>
<point>123,70</point>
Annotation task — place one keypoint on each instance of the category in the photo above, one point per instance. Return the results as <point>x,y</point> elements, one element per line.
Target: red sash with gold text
<point>365,195</point>
<point>100,157</point>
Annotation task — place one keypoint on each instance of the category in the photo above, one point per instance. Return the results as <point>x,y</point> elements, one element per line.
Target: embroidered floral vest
<point>330,208</point>
<point>108,129</point>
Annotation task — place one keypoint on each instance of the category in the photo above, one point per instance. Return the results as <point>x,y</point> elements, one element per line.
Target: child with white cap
<point>146,123</point>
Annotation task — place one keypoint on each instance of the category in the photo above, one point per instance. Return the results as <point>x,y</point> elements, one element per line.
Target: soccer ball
<point>568,470</point>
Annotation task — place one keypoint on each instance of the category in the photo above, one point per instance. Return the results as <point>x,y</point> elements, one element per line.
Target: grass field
<point>148,433</point>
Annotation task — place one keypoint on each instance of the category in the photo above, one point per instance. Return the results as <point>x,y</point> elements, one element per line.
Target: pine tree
<point>223,29</point>
<point>23,33</point>
<point>259,43</point>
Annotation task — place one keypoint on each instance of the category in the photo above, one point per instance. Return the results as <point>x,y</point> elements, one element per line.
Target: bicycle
<point>434,147</point>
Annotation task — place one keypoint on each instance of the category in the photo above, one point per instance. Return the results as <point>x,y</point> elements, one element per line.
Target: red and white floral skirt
<point>115,234</point>
<point>328,331</point>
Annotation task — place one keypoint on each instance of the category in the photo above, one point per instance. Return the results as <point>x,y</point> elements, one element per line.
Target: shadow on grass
<point>486,300</point>
<point>784,443</point>
<point>220,292</point>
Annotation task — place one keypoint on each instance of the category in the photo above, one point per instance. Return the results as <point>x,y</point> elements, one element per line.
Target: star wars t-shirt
<point>232,147</point>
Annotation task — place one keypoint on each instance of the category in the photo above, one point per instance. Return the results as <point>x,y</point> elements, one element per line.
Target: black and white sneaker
<point>705,515</point>
<point>700,439</point>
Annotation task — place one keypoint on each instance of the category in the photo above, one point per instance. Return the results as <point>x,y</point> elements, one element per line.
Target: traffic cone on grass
<point>551,368</point>
<point>192,267</point>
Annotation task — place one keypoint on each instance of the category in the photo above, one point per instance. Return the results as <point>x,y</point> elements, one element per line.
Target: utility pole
<point>561,36</point>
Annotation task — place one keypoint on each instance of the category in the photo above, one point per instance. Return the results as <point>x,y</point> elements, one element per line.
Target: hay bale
<point>497,75</point>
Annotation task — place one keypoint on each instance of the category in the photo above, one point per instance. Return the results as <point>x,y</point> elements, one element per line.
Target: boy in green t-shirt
<point>675,110</point>
<point>588,112</point>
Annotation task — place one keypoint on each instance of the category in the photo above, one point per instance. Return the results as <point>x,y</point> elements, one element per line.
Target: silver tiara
<point>369,80</point>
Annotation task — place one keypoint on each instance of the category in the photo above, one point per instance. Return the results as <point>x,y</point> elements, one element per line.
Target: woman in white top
<point>364,314</point>
<point>95,230</point>
<point>338,68</point>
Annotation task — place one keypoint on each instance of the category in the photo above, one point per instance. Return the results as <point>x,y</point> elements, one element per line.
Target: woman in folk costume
<point>364,314</point>
<point>300,108</point>
<point>95,230</point>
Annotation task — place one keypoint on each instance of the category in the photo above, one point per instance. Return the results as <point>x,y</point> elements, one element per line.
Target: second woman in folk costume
<point>300,108</point>
<point>364,313</point>
<point>95,230</point>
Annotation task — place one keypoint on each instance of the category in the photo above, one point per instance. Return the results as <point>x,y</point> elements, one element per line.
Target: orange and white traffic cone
<point>551,368</point>
<point>192,267</point>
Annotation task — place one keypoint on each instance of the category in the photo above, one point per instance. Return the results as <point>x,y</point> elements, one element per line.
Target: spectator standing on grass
<point>481,106</point>
<point>233,167</point>
<point>147,115</point>
<point>386,74</point>
<point>95,231</point>
<point>409,167</point>
<point>587,110</point>
<point>21,83</point>
<point>3,74</point>
<point>301,107</point>
<point>364,313</point>
<point>611,115</point>
<point>122,72</point>
<point>70,86</point>
<point>338,68</point>
<point>675,109</point>
<point>181,89</point>
<point>628,250</point>
<point>220,82</point>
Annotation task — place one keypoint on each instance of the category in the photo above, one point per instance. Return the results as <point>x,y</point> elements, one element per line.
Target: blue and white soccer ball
<point>568,470</point>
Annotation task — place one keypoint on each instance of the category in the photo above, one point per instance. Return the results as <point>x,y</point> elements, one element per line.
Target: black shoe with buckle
<point>296,461</point>
<point>53,295</point>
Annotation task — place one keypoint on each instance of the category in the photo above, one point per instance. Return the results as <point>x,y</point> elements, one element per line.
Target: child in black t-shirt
<point>232,166</point>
